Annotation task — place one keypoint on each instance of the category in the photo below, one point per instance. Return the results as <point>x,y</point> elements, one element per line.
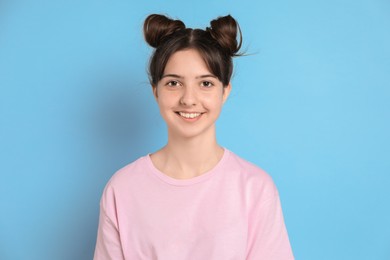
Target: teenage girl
<point>192,199</point>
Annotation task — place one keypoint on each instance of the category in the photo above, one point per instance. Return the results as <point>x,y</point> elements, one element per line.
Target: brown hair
<point>216,44</point>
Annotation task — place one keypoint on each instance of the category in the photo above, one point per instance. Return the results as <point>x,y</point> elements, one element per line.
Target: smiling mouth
<point>189,115</point>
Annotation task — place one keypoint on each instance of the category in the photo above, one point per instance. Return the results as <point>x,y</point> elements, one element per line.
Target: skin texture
<point>188,86</point>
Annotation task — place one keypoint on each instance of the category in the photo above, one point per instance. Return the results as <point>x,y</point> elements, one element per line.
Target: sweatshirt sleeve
<point>108,244</point>
<point>267,235</point>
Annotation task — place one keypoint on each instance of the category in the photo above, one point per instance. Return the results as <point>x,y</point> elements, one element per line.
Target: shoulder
<point>124,183</point>
<point>255,179</point>
<point>127,176</point>
<point>248,169</point>
<point>130,171</point>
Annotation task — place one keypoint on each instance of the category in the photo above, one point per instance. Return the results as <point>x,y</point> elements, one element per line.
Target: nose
<point>189,96</point>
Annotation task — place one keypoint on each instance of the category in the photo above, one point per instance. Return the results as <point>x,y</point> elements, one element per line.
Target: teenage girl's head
<point>216,44</point>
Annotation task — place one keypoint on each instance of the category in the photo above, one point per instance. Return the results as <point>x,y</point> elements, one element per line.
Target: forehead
<point>186,62</point>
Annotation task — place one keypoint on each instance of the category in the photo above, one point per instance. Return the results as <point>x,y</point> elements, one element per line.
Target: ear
<point>226,92</point>
<point>154,89</point>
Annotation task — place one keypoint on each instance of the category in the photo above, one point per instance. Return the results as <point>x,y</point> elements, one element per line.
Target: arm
<point>108,244</point>
<point>267,235</point>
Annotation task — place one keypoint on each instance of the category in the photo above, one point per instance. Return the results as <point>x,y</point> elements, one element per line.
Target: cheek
<point>214,103</point>
<point>216,98</point>
<point>166,102</point>
<point>164,99</point>
<point>163,104</point>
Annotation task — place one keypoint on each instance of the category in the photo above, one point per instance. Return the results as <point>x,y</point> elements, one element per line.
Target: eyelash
<point>210,84</point>
<point>169,83</point>
<point>174,83</point>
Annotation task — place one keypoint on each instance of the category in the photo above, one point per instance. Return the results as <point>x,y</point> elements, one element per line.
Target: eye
<point>207,84</point>
<point>172,83</point>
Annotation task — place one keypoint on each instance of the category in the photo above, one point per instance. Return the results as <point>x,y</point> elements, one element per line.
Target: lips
<point>189,115</point>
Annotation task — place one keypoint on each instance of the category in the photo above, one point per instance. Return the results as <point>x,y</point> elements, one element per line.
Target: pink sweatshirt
<point>230,212</point>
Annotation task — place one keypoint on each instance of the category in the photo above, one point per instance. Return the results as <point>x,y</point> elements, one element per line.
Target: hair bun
<point>157,27</point>
<point>224,30</point>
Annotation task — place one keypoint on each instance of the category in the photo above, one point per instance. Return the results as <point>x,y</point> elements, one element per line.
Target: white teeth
<point>189,115</point>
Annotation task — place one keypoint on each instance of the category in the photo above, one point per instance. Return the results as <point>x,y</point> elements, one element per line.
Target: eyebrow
<point>181,77</point>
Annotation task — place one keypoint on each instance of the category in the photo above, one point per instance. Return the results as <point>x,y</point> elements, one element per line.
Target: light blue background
<point>310,105</point>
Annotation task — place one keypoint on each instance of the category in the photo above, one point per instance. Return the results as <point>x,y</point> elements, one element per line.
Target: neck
<point>184,158</point>
<point>193,150</point>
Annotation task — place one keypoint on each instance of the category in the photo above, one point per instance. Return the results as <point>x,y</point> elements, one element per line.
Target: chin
<point>193,133</point>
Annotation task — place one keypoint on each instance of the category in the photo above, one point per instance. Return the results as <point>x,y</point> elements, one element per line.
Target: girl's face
<point>189,96</point>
